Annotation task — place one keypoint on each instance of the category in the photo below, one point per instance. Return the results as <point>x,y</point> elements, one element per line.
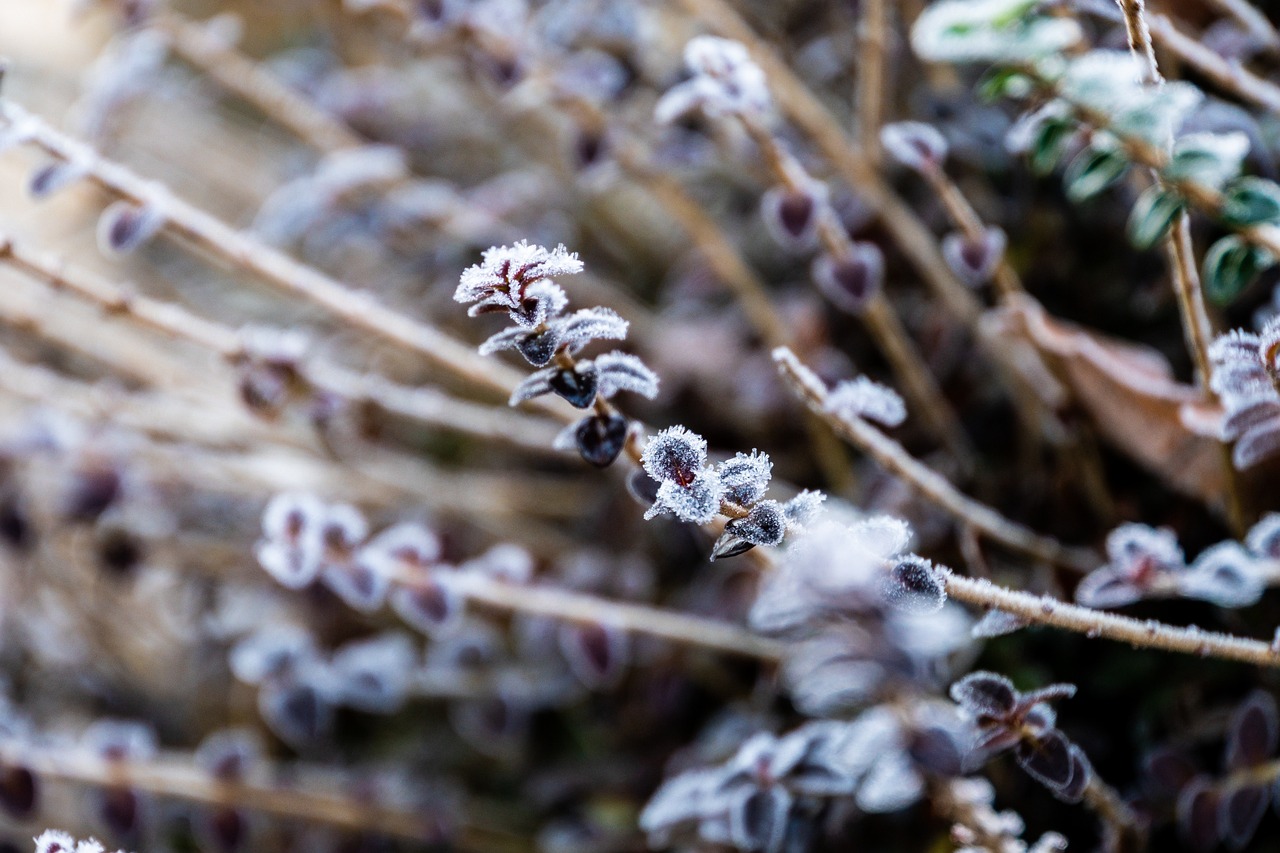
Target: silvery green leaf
<point>1152,216</point>
<point>1250,201</point>
<point>1210,159</point>
<point>990,31</point>
<point>1155,113</point>
<point>1094,169</point>
<point>1231,265</point>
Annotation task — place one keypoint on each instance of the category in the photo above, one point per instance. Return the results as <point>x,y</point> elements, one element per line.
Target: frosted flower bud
<point>791,215</point>
<point>697,501</point>
<point>123,227</point>
<point>373,675</point>
<point>853,281</point>
<point>517,279</point>
<point>914,144</point>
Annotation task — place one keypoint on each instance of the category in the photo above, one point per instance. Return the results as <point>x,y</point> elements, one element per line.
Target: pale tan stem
<point>873,48</point>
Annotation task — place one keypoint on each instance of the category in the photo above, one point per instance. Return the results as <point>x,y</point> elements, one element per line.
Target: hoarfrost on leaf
<point>990,31</point>
<point>726,81</point>
<point>745,477</point>
<point>864,398</point>
<point>620,371</point>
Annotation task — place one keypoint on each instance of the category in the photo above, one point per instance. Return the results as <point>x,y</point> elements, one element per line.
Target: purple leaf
<point>1255,728</point>
<point>601,438</point>
<point>1240,810</point>
<point>853,281</point>
<point>790,215</point>
<point>913,585</point>
<point>1047,759</point>
<point>578,386</point>
<point>758,818</point>
<point>1197,815</point>
<point>974,261</point>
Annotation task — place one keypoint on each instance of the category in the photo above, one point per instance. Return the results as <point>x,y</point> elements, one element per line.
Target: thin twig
<point>932,485</point>
<point>1253,20</point>
<point>423,404</point>
<point>174,776</point>
<point>1229,76</point>
<point>873,50</point>
<point>191,223</point>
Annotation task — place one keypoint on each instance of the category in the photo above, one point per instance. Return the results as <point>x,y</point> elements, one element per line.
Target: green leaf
<point>1152,216</point>
<point>1048,145</point>
<point>1004,83</point>
<point>1230,266</point>
<point>1250,201</point>
<point>1092,171</point>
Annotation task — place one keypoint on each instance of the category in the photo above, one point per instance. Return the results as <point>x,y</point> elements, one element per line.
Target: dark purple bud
<point>297,712</point>
<point>764,524</point>
<point>119,552</point>
<point>1197,814</point>
<point>1240,810</point>
<point>589,148</point>
<point>985,694</point>
<point>1254,731</point>
<point>119,810</point>
<point>596,653</point>
<point>578,386</point>
<point>50,178</point>
<point>225,830</point>
<point>758,818</point>
<point>1166,772</point>
<point>18,791</point>
<point>1048,759</point>
<point>601,438</point>
<point>93,491</point>
<point>974,261</point>
<point>539,347</point>
<point>123,227</point>
<point>428,606</point>
<point>913,585</point>
<point>790,215</point>
<point>851,282</point>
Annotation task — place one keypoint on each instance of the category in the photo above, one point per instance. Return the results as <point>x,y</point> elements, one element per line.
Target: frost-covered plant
<point>1147,563</point>
<point>1244,378</point>
<point>1025,723</point>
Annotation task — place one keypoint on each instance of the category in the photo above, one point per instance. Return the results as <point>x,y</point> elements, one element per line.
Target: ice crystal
<point>914,144</point>
<point>675,453</point>
<point>1242,381</point>
<point>745,477</point>
<point>517,279</point>
<point>620,371</point>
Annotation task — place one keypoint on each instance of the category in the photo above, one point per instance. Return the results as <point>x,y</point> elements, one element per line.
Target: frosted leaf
<point>852,280</point>
<point>764,524</point>
<point>974,261</point>
<point>504,562</point>
<point>534,385</point>
<point>1263,539</point>
<point>745,477</point>
<point>1254,731</point>
<point>1155,113</point>
<point>864,398</point>
<point>864,739</point>
<point>914,144</point>
<point>120,740</point>
<point>291,516</point>
<point>292,566</point>
<point>1211,159</point>
<point>791,214</point>
<point>577,385</point>
<point>758,818</point>
<point>55,841</point>
<point>697,502</point>
<point>373,674</point>
<point>590,324</point>
<point>299,709</point>
<point>990,31</point>
<point>123,227</point>
<point>50,178</point>
<point>1104,80</point>
<point>343,529</point>
<point>985,693</point>
<point>726,81</point>
<point>803,508</point>
<point>599,440</point>
<point>1226,575</point>
<point>680,799</point>
<point>1047,759</point>
<point>542,344</point>
<point>401,548</point>
<point>891,784</point>
<point>432,605</point>
<point>510,270</point>
<point>620,371</point>
<point>675,454</point>
<point>1132,543</point>
<point>269,652</point>
<point>359,585</point>
<point>882,536</point>
<point>913,585</point>
<point>997,623</point>
<point>1105,587</point>
<point>229,754</point>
